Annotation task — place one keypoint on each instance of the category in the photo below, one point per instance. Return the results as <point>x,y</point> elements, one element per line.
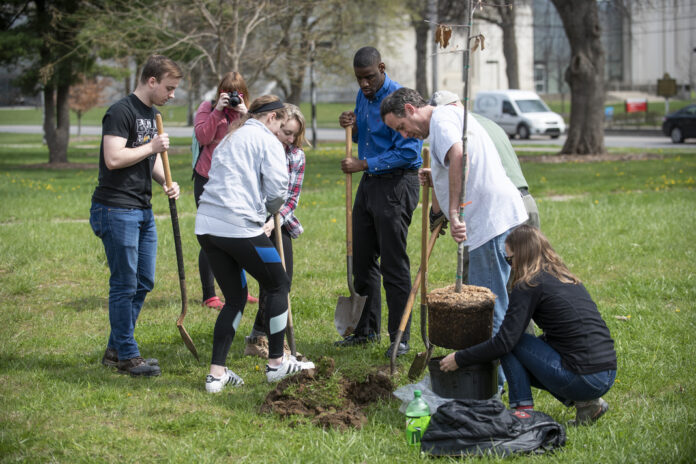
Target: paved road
<point>638,140</point>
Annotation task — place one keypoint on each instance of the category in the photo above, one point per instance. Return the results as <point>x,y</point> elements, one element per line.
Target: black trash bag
<point>479,427</point>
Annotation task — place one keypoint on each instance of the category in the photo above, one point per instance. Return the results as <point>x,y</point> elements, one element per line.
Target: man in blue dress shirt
<point>384,204</point>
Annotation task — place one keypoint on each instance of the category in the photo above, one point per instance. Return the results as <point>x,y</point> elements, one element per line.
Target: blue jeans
<point>488,268</point>
<point>533,362</point>
<point>130,241</point>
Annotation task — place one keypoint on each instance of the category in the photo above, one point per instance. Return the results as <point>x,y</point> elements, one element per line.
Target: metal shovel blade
<point>187,340</point>
<point>348,312</point>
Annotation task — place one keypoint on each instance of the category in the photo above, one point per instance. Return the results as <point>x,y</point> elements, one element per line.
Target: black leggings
<point>229,257</point>
<point>206,273</point>
<point>260,321</point>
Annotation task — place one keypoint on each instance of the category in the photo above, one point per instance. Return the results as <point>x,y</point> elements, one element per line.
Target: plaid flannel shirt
<point>296,166</point>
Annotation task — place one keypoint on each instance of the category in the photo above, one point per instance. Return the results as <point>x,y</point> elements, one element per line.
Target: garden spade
<point>421,275</point>
<point>349,309</point>
<point>420,362</point>
<point>290,331</point>
<point>177,242</point>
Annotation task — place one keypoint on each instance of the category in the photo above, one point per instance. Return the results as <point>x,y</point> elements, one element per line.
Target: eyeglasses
<point>508,259</point>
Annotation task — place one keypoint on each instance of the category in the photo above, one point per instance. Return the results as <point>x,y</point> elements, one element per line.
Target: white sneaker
<point>289,366</point>
<point>215,385</point>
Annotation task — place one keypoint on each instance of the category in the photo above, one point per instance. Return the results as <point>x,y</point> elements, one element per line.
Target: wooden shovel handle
<point>165,157</point>
<point>349,194</point>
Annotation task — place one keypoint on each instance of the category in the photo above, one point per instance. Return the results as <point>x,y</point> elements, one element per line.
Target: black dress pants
<point>381,216</point>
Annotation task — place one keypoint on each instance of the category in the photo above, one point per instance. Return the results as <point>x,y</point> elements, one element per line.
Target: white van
<point>519,112</point>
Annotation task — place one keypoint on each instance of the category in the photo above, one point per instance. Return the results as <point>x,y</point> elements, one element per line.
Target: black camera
<point>234,98</point>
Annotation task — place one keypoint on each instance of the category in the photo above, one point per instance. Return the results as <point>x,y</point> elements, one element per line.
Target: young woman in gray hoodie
<point>248,179</point>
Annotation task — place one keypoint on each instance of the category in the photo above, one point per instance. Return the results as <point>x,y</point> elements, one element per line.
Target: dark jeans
<point>533,362</point>
<point>130,242</point>
<point>229,257</point>
<point>206,273</point>
<point>259,322</point>
<point>381,216</point>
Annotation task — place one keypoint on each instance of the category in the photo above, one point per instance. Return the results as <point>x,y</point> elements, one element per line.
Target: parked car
<point>681,124</point>
<point>519,112</point>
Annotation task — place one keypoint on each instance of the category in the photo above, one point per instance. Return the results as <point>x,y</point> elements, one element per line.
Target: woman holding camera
<point>211,124</point>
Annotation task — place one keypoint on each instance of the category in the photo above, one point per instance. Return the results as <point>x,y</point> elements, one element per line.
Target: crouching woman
<point>574,359</point>
<point>248,178</point>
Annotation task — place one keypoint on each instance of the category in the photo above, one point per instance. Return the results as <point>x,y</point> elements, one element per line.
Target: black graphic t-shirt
<point>129,187</point>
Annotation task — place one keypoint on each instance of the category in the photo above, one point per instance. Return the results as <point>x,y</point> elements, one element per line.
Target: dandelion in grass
<point>333,219</point>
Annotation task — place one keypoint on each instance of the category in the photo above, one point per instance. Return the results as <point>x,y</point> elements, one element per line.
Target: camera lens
<point>234,98</point>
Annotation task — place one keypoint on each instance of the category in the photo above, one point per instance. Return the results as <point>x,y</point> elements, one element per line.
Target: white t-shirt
<point>496,205</point>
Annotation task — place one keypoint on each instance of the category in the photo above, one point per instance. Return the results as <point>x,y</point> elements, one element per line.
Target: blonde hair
<point>532,253</point>
<point>295,113</point>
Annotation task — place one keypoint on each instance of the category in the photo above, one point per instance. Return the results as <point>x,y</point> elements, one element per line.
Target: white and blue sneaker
<point>289,366</point>
<point>215,385</point>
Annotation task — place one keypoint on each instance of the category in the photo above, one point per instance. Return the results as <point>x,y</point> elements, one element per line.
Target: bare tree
<point>87,94</point>
<point>501,14</point>
<point>585,76</point>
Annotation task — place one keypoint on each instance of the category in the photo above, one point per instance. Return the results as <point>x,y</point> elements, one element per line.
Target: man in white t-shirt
<point>496,206</point>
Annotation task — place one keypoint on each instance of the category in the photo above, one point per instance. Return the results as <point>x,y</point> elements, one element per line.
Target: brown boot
<point>256,346</point>
<point>137,367</point>
<point>589,411</point>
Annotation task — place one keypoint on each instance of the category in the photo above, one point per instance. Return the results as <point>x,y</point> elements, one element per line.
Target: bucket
<point>460,320</point>
<point>473,382</point>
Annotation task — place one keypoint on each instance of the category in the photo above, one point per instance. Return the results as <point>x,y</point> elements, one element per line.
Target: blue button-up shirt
<point>384,149</point>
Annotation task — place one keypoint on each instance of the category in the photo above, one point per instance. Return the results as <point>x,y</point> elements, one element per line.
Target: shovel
<point>421,275</point>
<point>420,362</point>
<point>349,309</point>
<point>179,255</point>
<point>290,331</point>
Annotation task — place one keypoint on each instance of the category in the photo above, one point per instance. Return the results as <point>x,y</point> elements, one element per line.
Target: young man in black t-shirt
<point>121,213</point>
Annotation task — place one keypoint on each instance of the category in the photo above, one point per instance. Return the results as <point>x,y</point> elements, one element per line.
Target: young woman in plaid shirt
<point>292,136</point>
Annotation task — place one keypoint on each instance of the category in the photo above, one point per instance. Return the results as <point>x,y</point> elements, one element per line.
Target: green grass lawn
<point>327,115</point>
<point>625,228</point>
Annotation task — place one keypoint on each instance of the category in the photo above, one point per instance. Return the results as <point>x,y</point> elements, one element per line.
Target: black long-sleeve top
<point>569,318</point>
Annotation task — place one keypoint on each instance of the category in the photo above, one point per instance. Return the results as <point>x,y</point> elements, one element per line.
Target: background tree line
<point>60,43</point>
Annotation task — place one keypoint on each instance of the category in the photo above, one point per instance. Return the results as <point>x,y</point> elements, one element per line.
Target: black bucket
<point>474,382</point>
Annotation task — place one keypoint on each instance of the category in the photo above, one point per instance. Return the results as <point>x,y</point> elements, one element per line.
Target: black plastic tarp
<point>474,427</point>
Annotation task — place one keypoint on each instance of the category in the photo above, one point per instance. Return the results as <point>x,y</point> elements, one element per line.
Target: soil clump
<point>327,398</point>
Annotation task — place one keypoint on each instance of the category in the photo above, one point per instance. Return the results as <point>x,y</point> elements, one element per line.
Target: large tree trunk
<point>57,123</point>
<point>585,76</point>
<point>507,16</point>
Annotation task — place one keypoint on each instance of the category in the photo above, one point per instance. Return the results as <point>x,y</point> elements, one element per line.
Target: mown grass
<point>626,228</point>
<point>327,115</point>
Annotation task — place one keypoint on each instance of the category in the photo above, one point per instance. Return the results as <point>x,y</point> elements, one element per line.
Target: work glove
<point>437,218</point>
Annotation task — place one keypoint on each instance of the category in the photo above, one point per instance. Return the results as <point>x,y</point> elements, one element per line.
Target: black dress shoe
<point>401,350</point>
<point>352,340</point>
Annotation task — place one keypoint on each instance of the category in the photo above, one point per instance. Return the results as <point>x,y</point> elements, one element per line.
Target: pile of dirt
<point>326,397</point>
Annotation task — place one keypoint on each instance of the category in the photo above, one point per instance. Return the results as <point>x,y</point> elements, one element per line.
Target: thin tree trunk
<point>510,46</point>
<point>585,76</point>
<point>57,123</point>
<point>422,33</point>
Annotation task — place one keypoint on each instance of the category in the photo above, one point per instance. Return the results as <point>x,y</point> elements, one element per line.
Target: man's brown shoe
<point>137,367</point>
<point>110,359</point>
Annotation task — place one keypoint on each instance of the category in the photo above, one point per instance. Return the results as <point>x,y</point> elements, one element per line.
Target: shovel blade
<point>348,312</point>
<point>187,340</point>
<point>420,362</point>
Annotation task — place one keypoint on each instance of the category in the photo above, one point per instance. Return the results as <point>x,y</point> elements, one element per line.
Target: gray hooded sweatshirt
<point>248,177</point>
